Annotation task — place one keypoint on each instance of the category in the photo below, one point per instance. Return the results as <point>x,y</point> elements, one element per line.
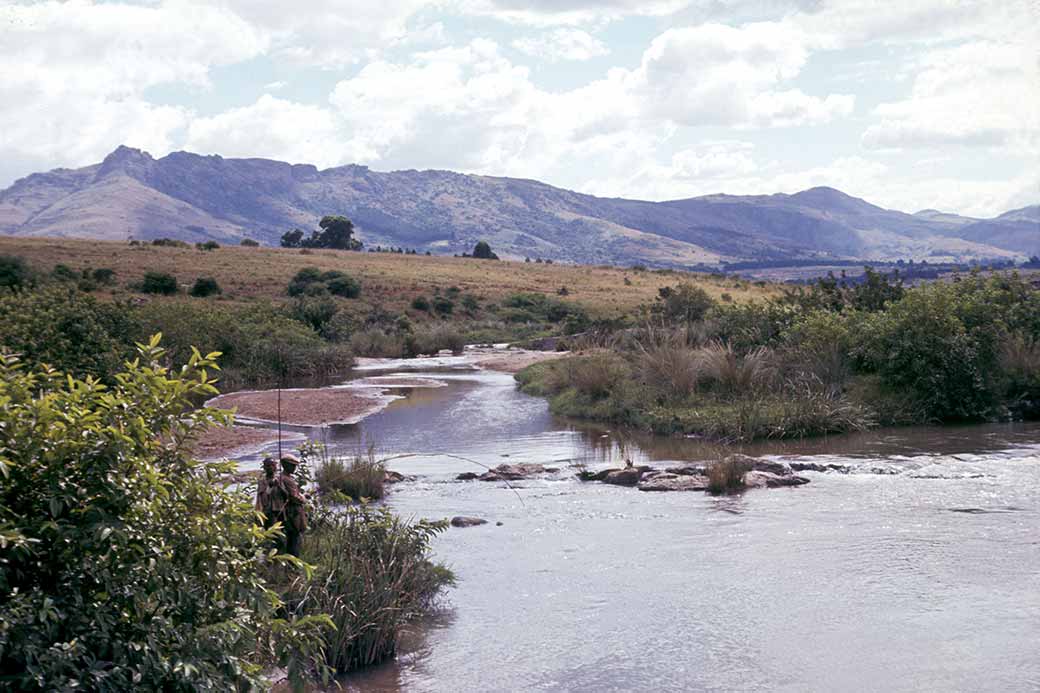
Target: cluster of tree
<point>481,251</point>
<point>539,261</point>
<point>398,251</point>
<point>334,232</point>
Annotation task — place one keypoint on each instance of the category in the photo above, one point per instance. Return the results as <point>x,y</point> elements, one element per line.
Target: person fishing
<point>289,505</point>
<point>264,488</point>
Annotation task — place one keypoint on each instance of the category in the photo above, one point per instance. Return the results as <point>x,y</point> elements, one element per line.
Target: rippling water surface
<point>918,570</point>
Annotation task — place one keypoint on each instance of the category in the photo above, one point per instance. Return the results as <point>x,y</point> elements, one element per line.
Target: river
<point>917,571</point>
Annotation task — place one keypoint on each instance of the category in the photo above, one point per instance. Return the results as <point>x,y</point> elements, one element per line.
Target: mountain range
<point>191,197</point>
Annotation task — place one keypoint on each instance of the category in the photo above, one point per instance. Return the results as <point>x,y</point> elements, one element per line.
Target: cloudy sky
<point>909,104</point>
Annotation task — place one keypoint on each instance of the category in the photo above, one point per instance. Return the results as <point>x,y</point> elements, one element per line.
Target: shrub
<point>316,313</point>
<point>159,283</point>
<point>671,370</point>
<point>727,474</point>
<point>728,372</point>
<point>431,341</point>
<point>68,330</point>
<point>470,304</point>
<point>14,273</point>
<point>311,281</point>
<point>420,303</point>
<point>373,575</point>
<point>344,286</point>
<point>376,343</point>
<point>169,243</point>
<point>208,245</point>
<point>360,477</point>
<point>104,276</point>
<point>249,243</point>
<point>205,286</point>
<point>482,251</point>
<point>595,376</point>
<point>684,303</point>
<point>127,565</point>
<point>443,305</point>
<point>63,273</point>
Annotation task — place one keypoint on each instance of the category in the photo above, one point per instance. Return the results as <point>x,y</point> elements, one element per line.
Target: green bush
<point>373,575</point>
<point>104,276</point>
<point>208,245</point>
<point>126,564</point>
<point>159,283</point>
<point>311,281</point>
<point>421,303</point>
<point>63,273</point>
<point>170,243</point>
<point>249,243</point>
<point>684,303</point>
<point>205,286</point>
<point>68,330</point>
<point>316,313</point>
<point>14,273</point>
<point>443,305</point>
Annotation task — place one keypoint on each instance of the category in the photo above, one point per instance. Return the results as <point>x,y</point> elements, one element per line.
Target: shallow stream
<point>919,570</point>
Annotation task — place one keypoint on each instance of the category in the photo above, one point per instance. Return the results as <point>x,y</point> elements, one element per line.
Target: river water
<point>917,571</point>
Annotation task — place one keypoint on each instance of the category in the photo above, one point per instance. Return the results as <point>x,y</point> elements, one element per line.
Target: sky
<point>909,104</point>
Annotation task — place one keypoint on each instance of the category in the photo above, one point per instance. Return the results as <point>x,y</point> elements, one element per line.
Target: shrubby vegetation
<point>128,565</point>
<point>824,360</point>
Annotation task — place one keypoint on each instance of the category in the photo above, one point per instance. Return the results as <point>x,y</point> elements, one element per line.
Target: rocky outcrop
<point>463,521</point>
<point>508,472</point>
<point>756,479</point>
<point>667,481</point>
<point>392,477</point>
<point>815,467</point>
<point>688,469</point>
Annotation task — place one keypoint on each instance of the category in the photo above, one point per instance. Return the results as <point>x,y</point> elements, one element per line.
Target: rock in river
<point>757,479</point>
<point>628,476</point>
<point>667,481</point>
<point>463,521</point>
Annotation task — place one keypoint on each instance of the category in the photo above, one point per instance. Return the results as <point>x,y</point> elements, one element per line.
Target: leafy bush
<point>249,243</point>
<point>311,281</point>
<point>443,305</point>
<point>344,286</point>
<point>317,313</point>
<point>205,286</point>
<point>159,283</point>
<point>482,251</point>
<point>374,342</point>
<point>373,575</point>
<point>68,330</point>
<point>421,303</point>
<point>431,341</point>
<point>169,243</point>
<point>208,245</point>
<point>104,276</point>
<point>14,273</point>
<point>126,564</point>
<point>684,303</point>
<point>63,273</point>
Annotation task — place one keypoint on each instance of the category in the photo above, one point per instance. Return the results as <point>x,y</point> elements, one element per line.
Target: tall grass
<point>728,372</point>
<point>727,474</point>
<point>372,575</point>
<point>672,370</point>
<point>361,476</point>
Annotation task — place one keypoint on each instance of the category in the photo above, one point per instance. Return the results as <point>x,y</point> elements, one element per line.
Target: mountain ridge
<point>196,197</point>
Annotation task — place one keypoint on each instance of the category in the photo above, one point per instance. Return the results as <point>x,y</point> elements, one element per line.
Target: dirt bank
<point>235,441</point>
<point>304,407</point>
<point>513,360</point>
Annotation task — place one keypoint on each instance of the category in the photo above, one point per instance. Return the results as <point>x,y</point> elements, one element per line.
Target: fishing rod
<point>455,457</point>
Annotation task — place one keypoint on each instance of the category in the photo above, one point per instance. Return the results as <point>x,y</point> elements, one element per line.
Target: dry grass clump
<point>357,478</point>
<point>727,474</point>
<point>596,375</point>
<point>672,370</point>
<point>728,372</point>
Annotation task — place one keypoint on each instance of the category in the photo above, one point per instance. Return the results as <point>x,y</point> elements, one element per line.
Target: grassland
<point>389,281</point>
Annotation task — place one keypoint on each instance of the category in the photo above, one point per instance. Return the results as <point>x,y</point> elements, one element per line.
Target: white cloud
<point>562,44</point>
<point>568,12</point>
<point>273,128</point>
<point>975,94</point>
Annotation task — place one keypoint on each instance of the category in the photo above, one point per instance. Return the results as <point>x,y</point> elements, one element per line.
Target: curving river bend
<point>917,571</point>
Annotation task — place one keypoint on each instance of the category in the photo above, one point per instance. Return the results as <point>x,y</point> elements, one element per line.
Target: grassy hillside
<point>389,281</point>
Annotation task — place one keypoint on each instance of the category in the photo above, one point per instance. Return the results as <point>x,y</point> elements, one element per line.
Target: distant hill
<point>193,198</point>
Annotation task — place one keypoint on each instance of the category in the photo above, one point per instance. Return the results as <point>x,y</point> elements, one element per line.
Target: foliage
<point>311,281</point>
<point>159,283</point>
<point>421,303</point>
<point>482,251</point>
<point>207,245</point>
<point>68,330</point>
<point>372,576</point>
<point>169,243</point>
<point>63,273</point>
<point>684,303</point>
<point>334,232</point>
<point>14,272</point>
<point>360,477</point>
<point>249,243</point>
<point>727,474</point>
<point>443,305</point>
<point>104,276</point>
<point>205,286</point>
<point>126,564</point>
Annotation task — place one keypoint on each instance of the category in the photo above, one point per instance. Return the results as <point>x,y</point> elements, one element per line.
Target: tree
<point>128,565</point>
<point>482,251</point>
<point>159,283</point>
<point>292,239</point>
<point>14,273</point>
<point>684,303</point>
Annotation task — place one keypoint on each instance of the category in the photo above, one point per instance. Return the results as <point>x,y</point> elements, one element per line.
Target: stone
<point>515,472</point>
<point>815,467</point>
<point>769,466</point>
<point>666,481</point>
<point>624,477</point>
<point>391,477</point>
<point>463,521</point>
<point>600,475</point>
<point>688,470</point>
<point>467,476</point>
<point>757,479</point>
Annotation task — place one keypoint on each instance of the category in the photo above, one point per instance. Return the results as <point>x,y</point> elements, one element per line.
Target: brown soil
<point>221,441</point>
<point>397,381</point>
<point>308,407</point>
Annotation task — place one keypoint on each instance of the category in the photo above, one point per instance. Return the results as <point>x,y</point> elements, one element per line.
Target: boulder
<point>391,477</point>
<point>771,467</point>
<point>814,467</point>
<point>667,481</point>
<point>600,475</point>
<point>463,521</point>
<point>688,469</point>
<point>514,472</point>
<point>629,476</point>
<point>757,479</point>
<point>467,476</point>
